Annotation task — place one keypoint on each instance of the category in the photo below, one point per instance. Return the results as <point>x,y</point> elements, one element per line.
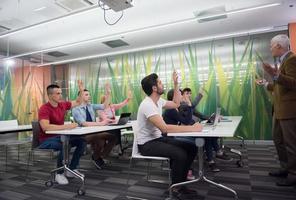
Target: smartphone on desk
<point>225,119</point>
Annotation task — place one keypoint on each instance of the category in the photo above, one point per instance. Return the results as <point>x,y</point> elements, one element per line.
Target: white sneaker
<point>70,175</point>
<point>61,179</point>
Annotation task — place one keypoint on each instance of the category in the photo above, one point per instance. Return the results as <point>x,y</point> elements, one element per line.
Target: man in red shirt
<point>51,117</point>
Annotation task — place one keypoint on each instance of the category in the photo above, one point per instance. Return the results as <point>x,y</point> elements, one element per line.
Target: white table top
<point>225,128</point>
<point>88,130</point>
<point>19,128</point>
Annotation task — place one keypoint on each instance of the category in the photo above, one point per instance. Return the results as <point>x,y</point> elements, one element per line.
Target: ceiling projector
<point>118,5</point>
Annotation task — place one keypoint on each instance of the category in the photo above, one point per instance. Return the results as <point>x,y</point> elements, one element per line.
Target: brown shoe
<point>279,173</point>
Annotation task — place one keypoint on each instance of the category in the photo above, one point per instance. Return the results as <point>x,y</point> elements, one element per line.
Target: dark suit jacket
<point>284,89</point>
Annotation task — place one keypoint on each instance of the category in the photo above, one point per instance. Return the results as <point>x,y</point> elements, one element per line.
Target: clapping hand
<point>269,69</point>
<point>260,81</point>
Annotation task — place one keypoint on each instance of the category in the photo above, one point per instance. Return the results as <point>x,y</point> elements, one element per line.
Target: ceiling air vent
<point>211,14</point>
<point>71,5</point>
<point>115,43</point>
<point>57,54</point>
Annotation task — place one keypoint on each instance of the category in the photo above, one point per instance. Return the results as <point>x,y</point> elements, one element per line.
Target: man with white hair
<point>284,103</point>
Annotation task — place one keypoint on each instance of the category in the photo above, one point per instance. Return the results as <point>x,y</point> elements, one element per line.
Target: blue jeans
<point>211,143</point>
<point>56,144</point>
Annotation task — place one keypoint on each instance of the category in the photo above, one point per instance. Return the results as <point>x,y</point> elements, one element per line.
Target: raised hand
<point>175,77</point>
<point>80,85</point>
<point>201,90</point>
<point>129,95</point>
<point>107,88</point>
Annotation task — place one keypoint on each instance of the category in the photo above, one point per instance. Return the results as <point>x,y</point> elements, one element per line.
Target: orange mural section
<point>28,90</point>
<point>292,35</point>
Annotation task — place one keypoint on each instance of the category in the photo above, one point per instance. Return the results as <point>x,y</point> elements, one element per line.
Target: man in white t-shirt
<point>151,137</point>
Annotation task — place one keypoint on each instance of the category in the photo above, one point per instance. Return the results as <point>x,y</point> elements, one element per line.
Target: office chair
<point>36,129</point>
<point>136,155</point>
<point>10,139</point>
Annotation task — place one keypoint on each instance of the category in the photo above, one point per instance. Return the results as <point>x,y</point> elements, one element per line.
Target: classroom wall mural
<point>225,69</point>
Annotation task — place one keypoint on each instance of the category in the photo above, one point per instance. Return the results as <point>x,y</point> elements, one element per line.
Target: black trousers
<point>181,155</point>
<point>284,137</point>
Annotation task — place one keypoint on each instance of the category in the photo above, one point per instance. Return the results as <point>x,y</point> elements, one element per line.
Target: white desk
<point>223,129</point>
<point>19,128</point>
<point>79,131</point>
<point>89,130</point>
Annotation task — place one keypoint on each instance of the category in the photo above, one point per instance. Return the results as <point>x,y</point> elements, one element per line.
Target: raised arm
<point>78,100</point>
<point>177,95</point>
<point>124,103</point>
<point>107,95</point>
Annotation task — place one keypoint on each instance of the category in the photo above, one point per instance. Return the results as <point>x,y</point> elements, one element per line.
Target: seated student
<point>51,117</point>
<point>109,114</point>
<point>211,143</point>
<point>152,127</point>
<point>173,116</point>
<point>101,143</point>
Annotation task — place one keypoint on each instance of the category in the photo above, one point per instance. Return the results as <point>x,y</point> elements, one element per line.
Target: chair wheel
<point>81,192</point>
<point>48,183</point>
<point>240,163</point>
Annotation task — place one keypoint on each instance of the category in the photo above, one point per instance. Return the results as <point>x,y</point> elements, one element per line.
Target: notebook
<point>123,119</point>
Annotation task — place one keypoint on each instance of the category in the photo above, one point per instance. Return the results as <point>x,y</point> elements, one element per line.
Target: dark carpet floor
<point>251,181</point>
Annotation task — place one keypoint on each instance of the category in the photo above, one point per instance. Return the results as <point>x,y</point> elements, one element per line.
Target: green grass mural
<point>226,69</point>
<point>230,86</point>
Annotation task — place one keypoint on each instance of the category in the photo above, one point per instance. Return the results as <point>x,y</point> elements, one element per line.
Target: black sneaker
<point>224,157</point>
<point>278,173</point>
<point>177,195</point>
<point>186,190</point>
<point>99,163</point>
<point>214,167</point>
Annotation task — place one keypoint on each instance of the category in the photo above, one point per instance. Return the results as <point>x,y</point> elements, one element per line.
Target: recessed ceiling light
<point>9,62</point>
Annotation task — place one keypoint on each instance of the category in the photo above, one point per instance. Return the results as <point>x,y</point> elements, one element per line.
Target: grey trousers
<point>284,137</point>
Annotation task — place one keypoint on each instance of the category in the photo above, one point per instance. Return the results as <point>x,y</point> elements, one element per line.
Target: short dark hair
<point>186,90</point>
<point>85,90</point>
<point>148,82</point>
<point>170,94</point>
<point>50,88</point>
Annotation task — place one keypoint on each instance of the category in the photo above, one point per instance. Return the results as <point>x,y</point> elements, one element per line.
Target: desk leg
<point>65,141</point>
<point>200,143</point>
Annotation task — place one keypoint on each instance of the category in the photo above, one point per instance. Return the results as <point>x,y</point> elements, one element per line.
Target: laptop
<point>213,120</point>
<point>123,119</point>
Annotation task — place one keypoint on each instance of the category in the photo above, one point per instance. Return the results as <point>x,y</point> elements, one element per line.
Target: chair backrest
<point>36,129</point>
<point>135,150</point>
